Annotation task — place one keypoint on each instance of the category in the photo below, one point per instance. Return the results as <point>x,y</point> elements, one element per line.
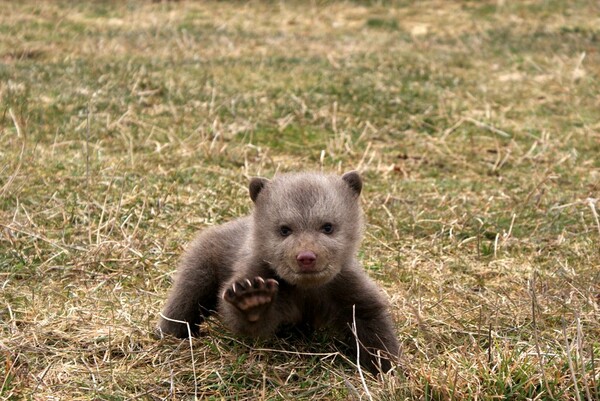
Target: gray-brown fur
<point>291,262</point>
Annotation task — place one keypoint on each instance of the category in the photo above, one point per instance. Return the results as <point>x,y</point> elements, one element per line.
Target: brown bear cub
<point>292,262</point>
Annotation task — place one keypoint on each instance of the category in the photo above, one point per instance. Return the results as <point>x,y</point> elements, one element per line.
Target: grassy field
<point>126,126</point>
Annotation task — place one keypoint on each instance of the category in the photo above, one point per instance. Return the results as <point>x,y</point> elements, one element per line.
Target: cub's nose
<point>306,260</point>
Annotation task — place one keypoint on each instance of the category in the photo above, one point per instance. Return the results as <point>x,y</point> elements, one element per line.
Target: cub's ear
<point>353,179</point>
<point>256,185</point>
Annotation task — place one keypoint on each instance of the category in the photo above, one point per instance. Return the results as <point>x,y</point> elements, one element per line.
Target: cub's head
<point>307,225</point>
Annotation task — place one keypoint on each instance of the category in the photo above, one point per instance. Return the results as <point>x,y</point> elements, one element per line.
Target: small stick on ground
<point>592,204</point>
<point>536,335</point>
<point>360,373</point>
<point>570,360</point>
<point>191,351</point>
<point>584,378</point>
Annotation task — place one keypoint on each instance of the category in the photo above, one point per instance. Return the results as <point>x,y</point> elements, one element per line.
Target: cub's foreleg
<point>194,293</point>
<point>364,318</point>
<point>378,344</point>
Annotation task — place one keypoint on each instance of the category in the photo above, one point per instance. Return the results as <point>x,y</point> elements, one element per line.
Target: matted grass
<point>127,126</point>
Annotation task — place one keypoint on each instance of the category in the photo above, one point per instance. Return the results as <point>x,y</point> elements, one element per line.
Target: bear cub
<point>291,262</point>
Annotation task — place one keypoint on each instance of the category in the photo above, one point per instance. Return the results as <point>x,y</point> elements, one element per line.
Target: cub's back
<point>220,246</point>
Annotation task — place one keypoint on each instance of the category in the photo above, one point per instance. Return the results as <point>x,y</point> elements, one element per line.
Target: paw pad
<point>251,294</point>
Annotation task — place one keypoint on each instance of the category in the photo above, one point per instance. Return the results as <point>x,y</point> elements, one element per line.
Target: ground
<point>125,127</point>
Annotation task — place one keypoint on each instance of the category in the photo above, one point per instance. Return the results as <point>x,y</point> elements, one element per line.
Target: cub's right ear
<point>353,180</point>
<point>256,185</point>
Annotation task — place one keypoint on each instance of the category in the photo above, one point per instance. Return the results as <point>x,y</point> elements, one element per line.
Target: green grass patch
<point>127,127</point>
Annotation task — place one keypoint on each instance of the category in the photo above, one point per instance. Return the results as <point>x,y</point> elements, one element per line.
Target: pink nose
<point>306,259</point>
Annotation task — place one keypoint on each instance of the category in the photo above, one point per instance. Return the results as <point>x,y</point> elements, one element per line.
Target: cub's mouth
<point>308,271</point>
<point>312,276</point>
<point>302,269</point>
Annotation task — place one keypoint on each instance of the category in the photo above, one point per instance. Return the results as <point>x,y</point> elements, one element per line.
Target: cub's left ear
<point>256,185</point>
<point>353,179</point>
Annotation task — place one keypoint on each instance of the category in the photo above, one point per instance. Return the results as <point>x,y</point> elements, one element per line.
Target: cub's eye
<point>327,228</point>
<point>285,231</point>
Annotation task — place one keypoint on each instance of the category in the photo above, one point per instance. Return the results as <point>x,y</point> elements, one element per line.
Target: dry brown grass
<point>125,127</point>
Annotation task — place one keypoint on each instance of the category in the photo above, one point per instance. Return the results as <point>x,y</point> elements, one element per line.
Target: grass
<point>127,126</point>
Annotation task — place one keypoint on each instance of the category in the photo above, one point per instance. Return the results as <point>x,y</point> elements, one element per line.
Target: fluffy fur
<point>291,262</point>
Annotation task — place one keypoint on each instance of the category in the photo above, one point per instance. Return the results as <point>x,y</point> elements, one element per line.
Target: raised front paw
<point>251,296</point>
